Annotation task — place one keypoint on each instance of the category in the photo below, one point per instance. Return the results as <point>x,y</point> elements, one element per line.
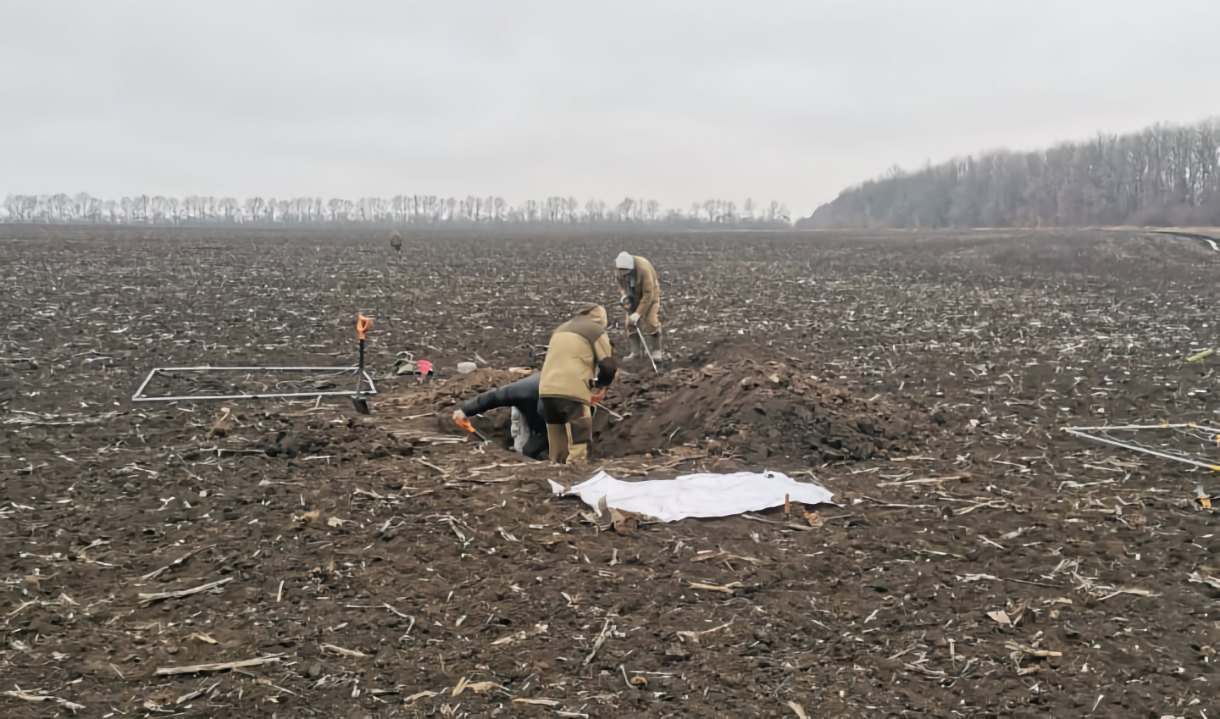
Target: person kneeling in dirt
<point>637,281</point>
<point>528,426</point>
<point>578,365</point>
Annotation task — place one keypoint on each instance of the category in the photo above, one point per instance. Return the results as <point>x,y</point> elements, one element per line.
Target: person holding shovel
<point>637,281</point>
<point>578,367</point>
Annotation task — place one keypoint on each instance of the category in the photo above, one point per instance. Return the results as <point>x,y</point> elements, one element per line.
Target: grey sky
<point>674,100</point>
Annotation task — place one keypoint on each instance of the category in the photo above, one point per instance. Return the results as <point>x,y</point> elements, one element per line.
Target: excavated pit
<point>733,399</point>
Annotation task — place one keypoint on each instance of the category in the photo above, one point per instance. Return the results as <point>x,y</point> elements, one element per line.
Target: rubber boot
<point>519,430</point>
<point>654,347</point>
<point>633,343</point>
<point>578,454</point>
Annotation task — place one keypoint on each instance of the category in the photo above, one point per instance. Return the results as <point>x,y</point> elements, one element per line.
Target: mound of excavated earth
<point>747,401</point>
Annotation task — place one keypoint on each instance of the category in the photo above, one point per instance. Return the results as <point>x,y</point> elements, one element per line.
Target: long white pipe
<point>1136,448</point>
<point>348,393</point>
<point>1143,426</point>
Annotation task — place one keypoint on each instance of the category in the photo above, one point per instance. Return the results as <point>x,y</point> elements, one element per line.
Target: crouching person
<point>578,365</point>
<point>528,427</point>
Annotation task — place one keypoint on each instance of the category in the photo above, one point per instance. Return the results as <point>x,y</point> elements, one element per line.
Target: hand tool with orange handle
<point>596,399</point>
<point>464,423</point>
<point>363,325</point>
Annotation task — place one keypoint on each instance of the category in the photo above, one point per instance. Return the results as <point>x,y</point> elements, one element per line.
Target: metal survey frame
<point>363,325</point>
<point>1084,433</point>
<point>363,377</point>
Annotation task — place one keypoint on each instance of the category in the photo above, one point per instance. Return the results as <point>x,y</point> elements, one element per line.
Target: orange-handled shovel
<point>465,424</point>
<point>363,325</point>
<point>596,399</point>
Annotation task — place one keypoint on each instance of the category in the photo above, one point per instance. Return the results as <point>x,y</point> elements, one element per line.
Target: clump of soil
<point>758,408</point>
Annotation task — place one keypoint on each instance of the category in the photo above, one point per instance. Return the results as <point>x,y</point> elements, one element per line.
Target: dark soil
<point>760,410</point>
<point>396,567</point>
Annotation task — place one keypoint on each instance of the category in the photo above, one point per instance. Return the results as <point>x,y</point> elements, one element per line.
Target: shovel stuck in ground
<point>363,324</point>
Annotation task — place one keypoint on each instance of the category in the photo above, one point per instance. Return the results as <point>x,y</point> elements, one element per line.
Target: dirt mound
<point>759,409</point>
<point>354,440</point>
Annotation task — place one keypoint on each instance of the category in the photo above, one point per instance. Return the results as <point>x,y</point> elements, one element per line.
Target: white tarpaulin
<point>696,495</point>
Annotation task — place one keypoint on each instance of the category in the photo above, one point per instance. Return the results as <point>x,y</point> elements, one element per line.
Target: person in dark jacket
<point>522,396</point>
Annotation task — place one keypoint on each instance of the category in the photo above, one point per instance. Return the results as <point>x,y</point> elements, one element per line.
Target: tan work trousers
<point>650,324</point>
<point>569,429</point>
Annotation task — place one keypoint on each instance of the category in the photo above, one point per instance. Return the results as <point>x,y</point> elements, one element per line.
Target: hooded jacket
<point>641,287</point>
<point>577,356</point>
<point>522,394</point>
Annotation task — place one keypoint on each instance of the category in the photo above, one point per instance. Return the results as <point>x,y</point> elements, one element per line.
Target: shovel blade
<point>360,404</point>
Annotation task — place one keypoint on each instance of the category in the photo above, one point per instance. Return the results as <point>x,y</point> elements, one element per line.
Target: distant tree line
<point>1163,176</point>
<point>401,210</point>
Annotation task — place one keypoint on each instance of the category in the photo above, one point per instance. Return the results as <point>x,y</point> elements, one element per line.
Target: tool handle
<point>363,324</point>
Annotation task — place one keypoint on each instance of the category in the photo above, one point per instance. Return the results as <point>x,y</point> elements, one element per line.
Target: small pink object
<point>424,366</point>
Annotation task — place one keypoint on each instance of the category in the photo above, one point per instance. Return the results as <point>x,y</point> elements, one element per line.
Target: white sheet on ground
<point>696,495</point>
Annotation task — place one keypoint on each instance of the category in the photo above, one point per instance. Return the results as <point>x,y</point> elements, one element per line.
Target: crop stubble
<point>305,561</point>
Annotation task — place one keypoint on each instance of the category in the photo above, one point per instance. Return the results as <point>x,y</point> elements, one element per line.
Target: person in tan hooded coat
<point>578,365</point>
<point>637,281</point>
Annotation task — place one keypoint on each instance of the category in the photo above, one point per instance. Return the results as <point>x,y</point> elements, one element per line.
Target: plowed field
<point>981,562</point>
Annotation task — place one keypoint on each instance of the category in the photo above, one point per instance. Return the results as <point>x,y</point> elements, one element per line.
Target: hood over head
<point>593,311</point>
<point>624,261</point>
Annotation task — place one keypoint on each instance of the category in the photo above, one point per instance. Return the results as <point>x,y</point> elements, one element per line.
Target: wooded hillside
<point>1164,175</point>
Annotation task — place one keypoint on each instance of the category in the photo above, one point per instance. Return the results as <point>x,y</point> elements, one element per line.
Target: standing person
<point>396,241</point>
<point>528,426</point>
<point>637,281</point>
<point>578,365</point>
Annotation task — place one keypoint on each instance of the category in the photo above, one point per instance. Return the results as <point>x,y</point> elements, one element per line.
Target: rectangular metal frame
<point>138,396</point>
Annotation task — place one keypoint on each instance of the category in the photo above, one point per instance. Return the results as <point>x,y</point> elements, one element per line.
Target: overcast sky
<point>674,100</point>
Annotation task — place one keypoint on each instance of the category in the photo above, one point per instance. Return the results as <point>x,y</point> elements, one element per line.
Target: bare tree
<point>418,209</point>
